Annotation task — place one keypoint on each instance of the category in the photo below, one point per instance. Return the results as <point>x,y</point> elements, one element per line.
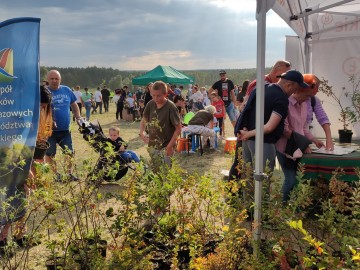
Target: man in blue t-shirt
<point>275,111</point>
<point>62,99</point>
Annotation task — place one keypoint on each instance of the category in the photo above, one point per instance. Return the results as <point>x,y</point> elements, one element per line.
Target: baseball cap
<point>313,83</point>
<point>222,71</point>
<point>294,76</point>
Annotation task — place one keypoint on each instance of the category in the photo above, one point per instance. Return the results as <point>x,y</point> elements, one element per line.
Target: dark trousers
<point>131,111</point>
<point>80,107</point>
<point>119,110</point>
<point>220,124</point>
<point>98,104</point>
<point>106,105</point>
<point>234,172</point>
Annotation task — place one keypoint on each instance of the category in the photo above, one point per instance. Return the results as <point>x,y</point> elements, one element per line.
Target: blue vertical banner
<point>19,110</point>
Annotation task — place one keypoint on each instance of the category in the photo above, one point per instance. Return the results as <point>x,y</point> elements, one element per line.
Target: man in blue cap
<point>275,111</point>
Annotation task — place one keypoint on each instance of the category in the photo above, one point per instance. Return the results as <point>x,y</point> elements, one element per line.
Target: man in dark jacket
<point>105,98</point>
<point>275,112</point>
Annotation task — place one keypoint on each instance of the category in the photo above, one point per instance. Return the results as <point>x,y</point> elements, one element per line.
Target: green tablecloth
<point>322,166</point>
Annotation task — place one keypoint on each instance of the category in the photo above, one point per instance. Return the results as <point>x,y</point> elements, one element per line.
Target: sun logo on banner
<point>6,65</point>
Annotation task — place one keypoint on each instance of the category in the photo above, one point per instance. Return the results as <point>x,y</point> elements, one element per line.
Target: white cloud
<point>234,6</point>
<point>274,21</point>
<point>139,34</point>
<point>168,58</point>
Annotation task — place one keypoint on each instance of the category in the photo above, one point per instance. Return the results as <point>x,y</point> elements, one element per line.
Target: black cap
<point>222,71</point>
<point>294,76</point>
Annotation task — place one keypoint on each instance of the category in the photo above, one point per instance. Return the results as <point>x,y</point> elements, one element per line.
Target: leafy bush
<point>173,219</point>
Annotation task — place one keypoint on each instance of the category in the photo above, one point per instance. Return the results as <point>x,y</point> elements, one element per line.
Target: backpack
<point>313,103</point>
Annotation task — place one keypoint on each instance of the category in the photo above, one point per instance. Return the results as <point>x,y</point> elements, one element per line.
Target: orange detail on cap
<point>311,80</point>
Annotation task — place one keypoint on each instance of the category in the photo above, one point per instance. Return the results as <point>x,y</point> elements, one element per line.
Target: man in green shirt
<point>162,121</point>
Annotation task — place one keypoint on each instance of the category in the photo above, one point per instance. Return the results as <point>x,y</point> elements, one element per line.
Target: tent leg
<point>257,211</point>
<point>262,7</point>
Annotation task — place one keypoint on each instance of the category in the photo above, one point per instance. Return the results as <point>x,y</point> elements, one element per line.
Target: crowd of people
<point>290,103</point>
<point>289,106</point>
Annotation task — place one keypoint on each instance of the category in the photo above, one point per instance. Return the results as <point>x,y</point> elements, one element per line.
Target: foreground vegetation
<point>184,218</point>
<point>179,220</point>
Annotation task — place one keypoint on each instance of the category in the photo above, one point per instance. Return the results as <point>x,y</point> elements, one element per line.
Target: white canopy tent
<point>328,45</point>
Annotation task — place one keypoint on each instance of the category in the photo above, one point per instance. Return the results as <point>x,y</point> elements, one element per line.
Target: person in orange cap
<point>296,131</point>
<point>314,106</point>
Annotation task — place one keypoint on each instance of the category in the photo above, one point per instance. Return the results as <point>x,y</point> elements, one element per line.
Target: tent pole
<point>259,139</point>
<point>307,46</point>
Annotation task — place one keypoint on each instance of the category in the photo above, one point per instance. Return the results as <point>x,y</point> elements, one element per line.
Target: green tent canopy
<point>166,74</point>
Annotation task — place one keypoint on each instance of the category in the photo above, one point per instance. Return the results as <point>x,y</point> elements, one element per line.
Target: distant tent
<point>166,74</point>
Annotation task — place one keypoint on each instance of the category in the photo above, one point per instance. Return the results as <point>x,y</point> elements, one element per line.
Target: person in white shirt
<point>78,96</point>
<point>197,98</point>
<point>130,103</point>
<point>98,100</point>
<point>206,100</point>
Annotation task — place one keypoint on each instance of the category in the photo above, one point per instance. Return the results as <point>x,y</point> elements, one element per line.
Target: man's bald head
<point>279,68</point>
<point>54,79</point>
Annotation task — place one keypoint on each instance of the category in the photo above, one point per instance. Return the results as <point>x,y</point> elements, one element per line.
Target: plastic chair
<point>195,140</point>
<point>216,130</point>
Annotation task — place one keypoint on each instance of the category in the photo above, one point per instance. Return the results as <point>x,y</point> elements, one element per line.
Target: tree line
<point>93,77</point>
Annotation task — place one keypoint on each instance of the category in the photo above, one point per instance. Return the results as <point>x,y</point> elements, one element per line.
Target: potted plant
<point>55,260</point>
<point>54,263</point>
<point>347,114</point>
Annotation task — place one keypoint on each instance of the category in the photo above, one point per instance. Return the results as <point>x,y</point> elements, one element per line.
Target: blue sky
<point>140,34</point>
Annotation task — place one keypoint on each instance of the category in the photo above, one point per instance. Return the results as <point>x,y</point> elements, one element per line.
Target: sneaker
<point>73,177</point>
